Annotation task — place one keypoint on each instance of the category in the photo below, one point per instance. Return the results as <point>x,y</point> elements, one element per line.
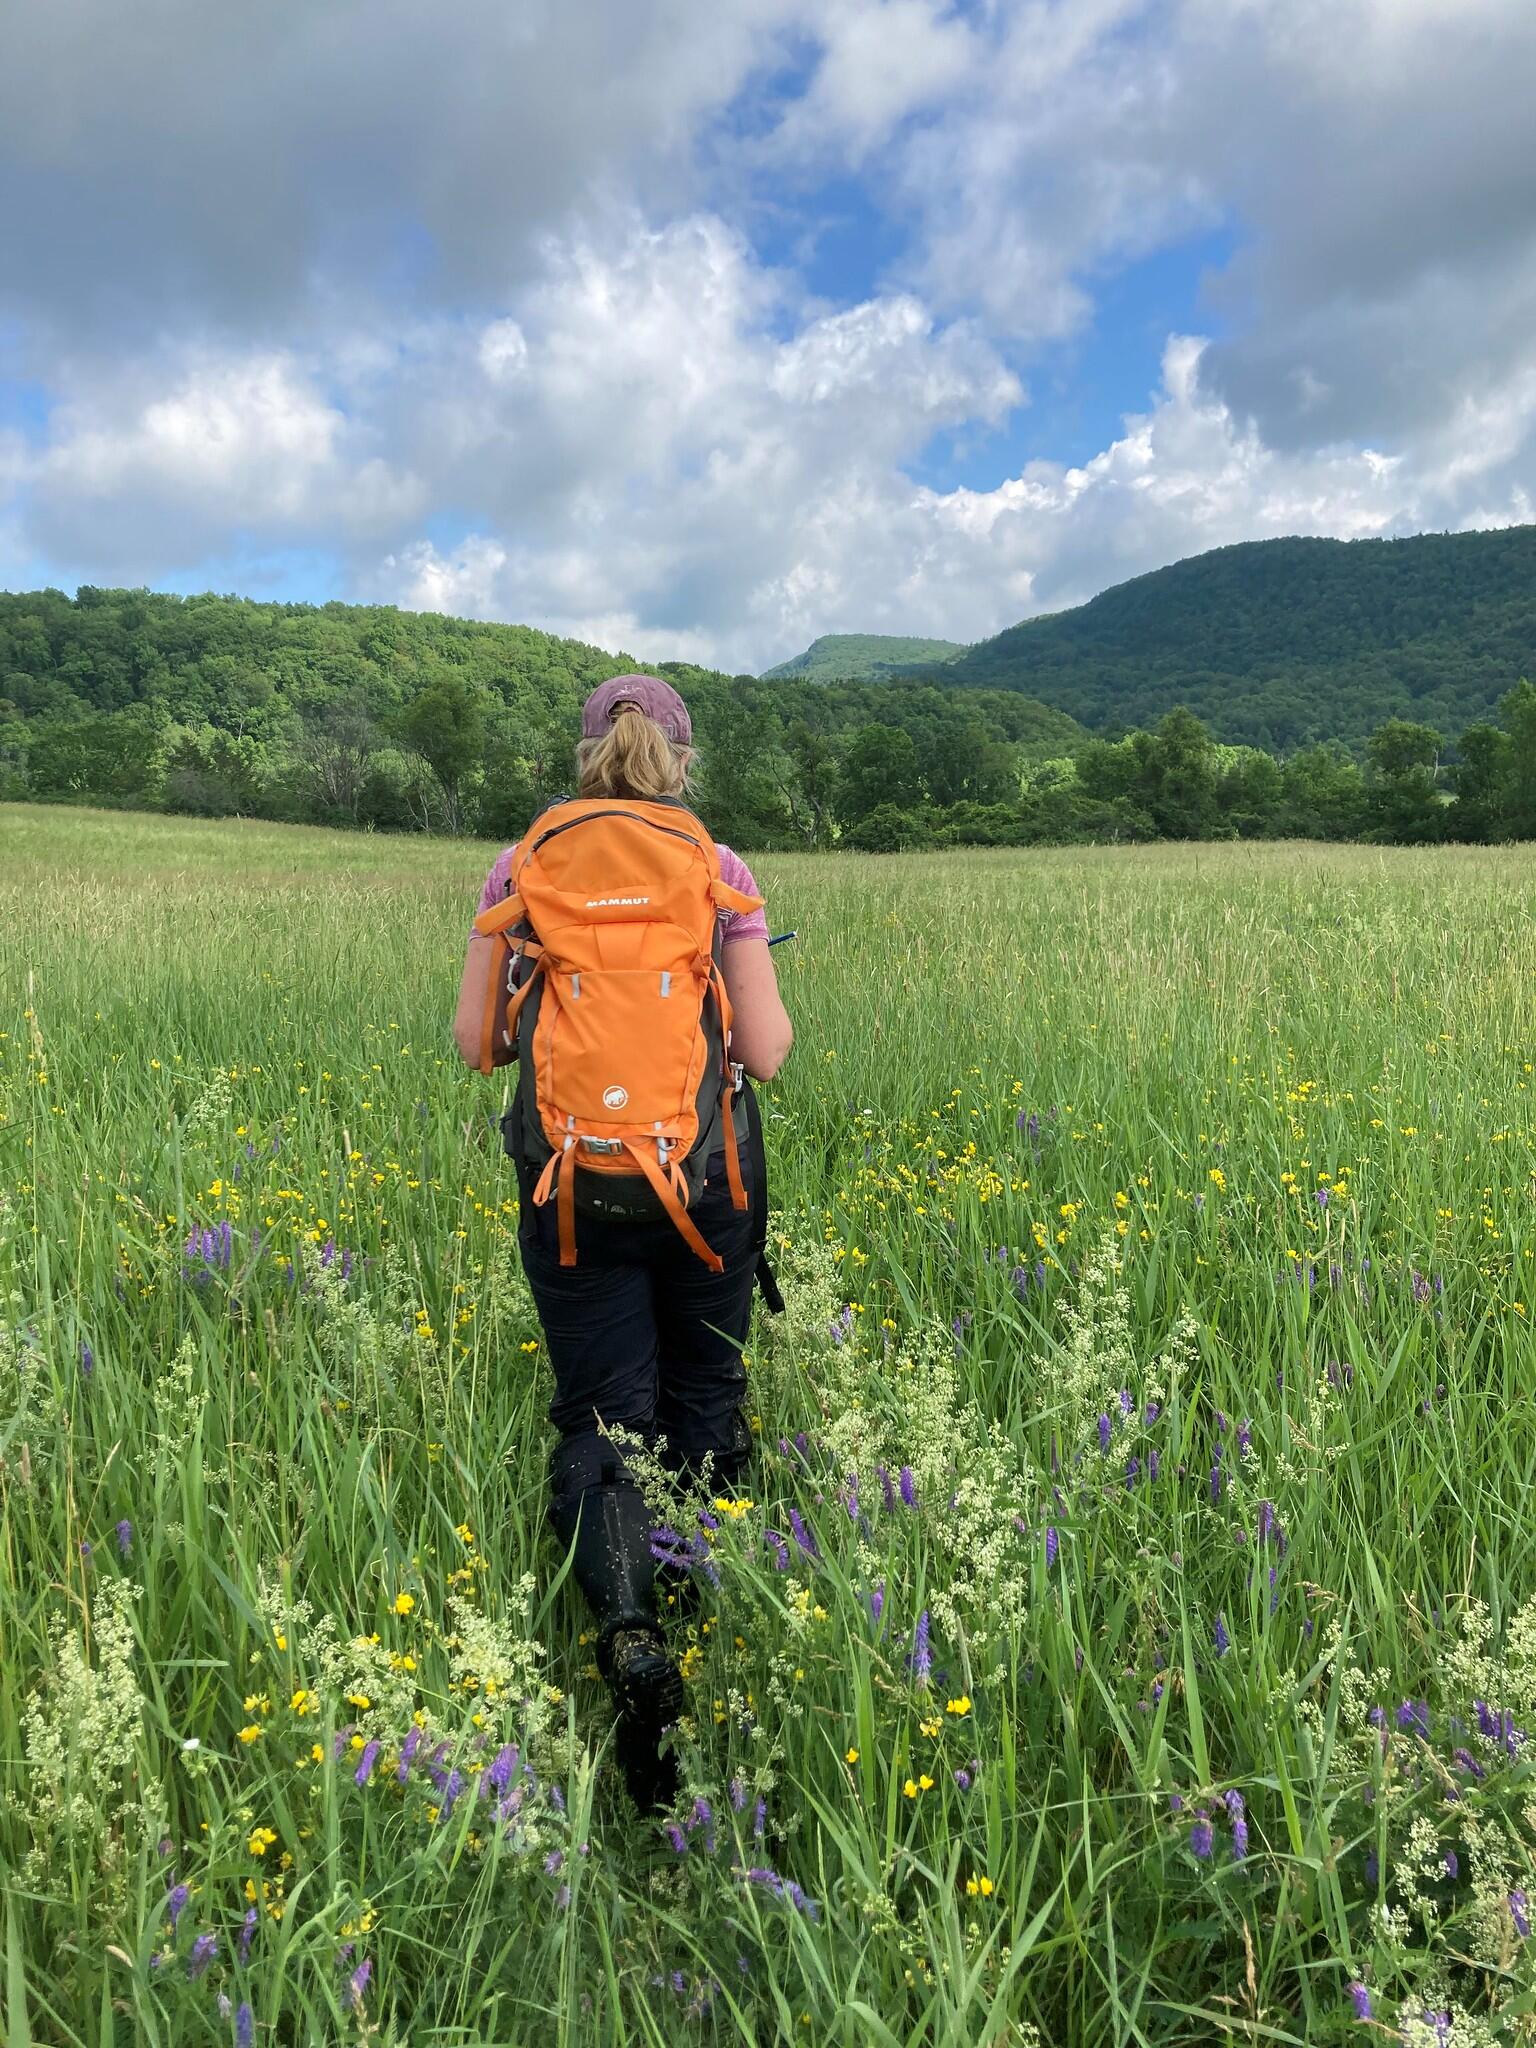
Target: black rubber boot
<point>607,1527</point>
<point>647,1690</point>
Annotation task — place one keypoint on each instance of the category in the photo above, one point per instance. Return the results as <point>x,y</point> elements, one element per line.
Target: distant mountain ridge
<point>859,657</point>
<point>1278,643</point>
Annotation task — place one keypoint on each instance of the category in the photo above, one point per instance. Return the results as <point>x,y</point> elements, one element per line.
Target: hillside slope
<point>855,657</point>
<point>1281,642</point>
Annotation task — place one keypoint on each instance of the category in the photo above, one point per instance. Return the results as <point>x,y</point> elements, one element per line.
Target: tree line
<point>369,717</point>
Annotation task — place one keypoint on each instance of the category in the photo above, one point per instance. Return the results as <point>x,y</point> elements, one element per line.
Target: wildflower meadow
<point>1127,1633</point>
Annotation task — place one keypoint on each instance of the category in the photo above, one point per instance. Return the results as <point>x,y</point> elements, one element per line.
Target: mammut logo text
<point>614,902</point>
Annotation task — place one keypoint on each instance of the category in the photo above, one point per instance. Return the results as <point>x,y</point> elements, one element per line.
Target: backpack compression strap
<point>667,1195</point>
<point>492,924</point>
<point>559,1179</point>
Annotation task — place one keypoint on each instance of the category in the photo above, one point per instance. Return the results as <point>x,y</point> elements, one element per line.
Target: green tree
<point>1517,786</point>
<point>1479,779</point>
<point>1405,807</point>
<point>1322,795</point>
<point>887,828</point>
<point>447,724</point>
<point>879,771</point>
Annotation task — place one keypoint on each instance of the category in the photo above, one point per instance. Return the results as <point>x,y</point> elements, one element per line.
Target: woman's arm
<point>469,1018</point>
<point>761,1033</point>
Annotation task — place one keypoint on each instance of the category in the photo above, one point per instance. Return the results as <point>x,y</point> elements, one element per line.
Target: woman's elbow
<point>772,1053</point>
<point>467,1039</point>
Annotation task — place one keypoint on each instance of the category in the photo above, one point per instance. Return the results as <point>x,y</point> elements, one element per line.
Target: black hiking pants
<point>642,1336</point>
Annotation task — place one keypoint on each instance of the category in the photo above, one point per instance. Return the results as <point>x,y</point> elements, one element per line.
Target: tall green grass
<point>1157,1222</point>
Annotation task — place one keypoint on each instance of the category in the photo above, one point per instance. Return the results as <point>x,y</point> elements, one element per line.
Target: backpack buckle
<point>603,1144</point>
<point>738,1076</point>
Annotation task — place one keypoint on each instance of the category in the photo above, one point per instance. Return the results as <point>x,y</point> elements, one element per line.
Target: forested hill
<point>352,714</point>
<point>868,656</point>
<point>1279,643</point>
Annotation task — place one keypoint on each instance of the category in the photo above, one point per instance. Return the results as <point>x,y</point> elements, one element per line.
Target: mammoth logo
<point>615,1098</point>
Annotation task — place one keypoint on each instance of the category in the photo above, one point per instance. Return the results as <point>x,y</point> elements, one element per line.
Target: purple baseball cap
<point>654,697</point>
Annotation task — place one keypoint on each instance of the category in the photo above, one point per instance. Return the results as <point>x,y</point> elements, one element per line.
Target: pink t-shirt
<point>737,924</point>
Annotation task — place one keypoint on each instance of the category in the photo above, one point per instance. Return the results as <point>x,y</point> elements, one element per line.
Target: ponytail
<point>633,758</point>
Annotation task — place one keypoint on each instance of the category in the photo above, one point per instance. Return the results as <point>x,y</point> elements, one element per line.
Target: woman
<point>642,1336</point>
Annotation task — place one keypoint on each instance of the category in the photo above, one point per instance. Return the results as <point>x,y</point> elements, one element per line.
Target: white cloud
<point>143,478</point>
<point>824,541</point>
<point>396,275</point>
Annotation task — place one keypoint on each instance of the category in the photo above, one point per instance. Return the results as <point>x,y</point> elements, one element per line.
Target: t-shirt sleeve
<point>749,924</point>
<point>495,882</point>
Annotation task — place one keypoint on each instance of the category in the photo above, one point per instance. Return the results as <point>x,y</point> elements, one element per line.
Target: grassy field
<point>1125,1638</point>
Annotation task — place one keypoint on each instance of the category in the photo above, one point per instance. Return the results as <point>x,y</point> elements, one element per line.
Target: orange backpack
<point>606,987</point>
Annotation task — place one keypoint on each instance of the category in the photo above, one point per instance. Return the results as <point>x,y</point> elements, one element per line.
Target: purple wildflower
<point>1321,1198</point>
<point>877,1602</point>
<point>503,1764</point>
<point>1519,1912</point>
<point>357,1983</point>
<point>908,1486</point>
<point>1413,1715</point>
<point>247,1931</point>
<point>87,1359</point>
<point>1201,1839</point>
<point>1450,1863</point>
<point>1217,1481</point>
<point>779,1547</point>
<point>245,2024</point>
<point>408,1750</point>
<point>1104,1433</point>
<point>738,1793</point>
<point>176,1903</point>
<point>204,1949</point>
<point>921,1659</point>
<point>124,1537</point>
<point>1360,1999</point>
<point>1239,1840</point>
<point>366,1762</point>
<point>553,1862</point>
<point>1222,1640</point>
<point>887,1490</point>
<point>802,1535</point>
<point>759,1819</point>
<point>676,1837</point>
<point>963,1780</point>
<point>1052,1546</point>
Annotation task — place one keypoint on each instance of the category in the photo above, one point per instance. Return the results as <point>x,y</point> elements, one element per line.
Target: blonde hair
<point>633,758</point>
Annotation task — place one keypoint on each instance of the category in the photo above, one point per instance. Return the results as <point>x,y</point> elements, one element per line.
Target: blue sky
<point>705,331</point>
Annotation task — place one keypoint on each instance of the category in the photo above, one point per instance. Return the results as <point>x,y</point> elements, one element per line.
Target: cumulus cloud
<point>138,474</point>
<point>475,302</point>
<point>842,545</point>
<point>190,161</point>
